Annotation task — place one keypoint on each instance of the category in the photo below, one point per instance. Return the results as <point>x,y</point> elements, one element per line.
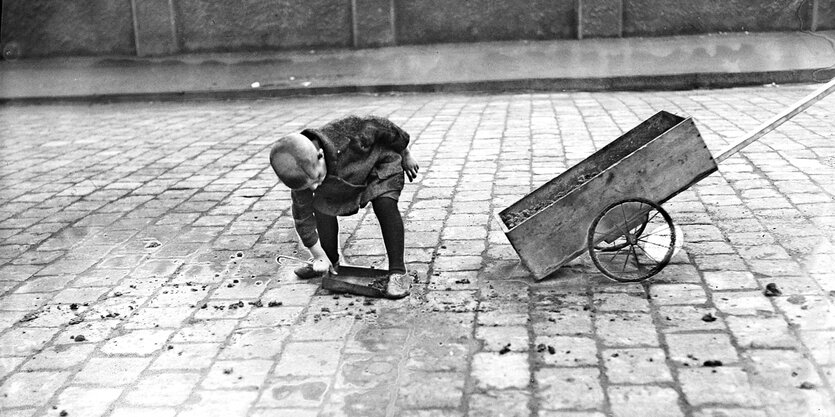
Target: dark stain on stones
<point>310,391</point>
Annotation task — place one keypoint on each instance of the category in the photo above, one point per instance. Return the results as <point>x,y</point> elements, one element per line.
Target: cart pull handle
<point>777,120</point>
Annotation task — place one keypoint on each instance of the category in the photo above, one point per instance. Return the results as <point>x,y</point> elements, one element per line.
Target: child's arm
<point>396,138</point>
<point>321,263</point>
<point>410,166</point>
<point>305,223</point>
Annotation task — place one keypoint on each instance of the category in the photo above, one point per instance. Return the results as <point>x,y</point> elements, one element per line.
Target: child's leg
<point>328,229</point>
<point>392,227</point>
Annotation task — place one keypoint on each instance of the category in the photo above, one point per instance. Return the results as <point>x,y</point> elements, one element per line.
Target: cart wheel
<point>621,242</point>
<point>631,240</point>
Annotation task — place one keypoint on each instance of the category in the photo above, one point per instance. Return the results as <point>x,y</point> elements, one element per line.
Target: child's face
<point>316,172</point>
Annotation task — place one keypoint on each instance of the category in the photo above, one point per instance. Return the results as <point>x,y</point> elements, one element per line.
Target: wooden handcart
<point>609,205</point>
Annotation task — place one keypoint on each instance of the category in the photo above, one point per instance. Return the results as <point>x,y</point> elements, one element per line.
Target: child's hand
<point>410,166</point>
<point>322,265</point>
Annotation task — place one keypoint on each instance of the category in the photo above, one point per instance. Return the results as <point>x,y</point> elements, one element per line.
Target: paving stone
<point>439,355</point>
<point>18,273</point>
<point>30,388</point>
<point>744,303</point>
<point>290,295</point>
<point>8,364</point>
<point>205,331</point>
<point>636,366</point>
<point>164,317</point>
<point>45,284</point>
<point>111,371</point>
<point>730,412</point>
<point>25,412</point>
<point>569,388</point>
<point>417,390</point>
<point>695,349</point>
<point>143,412</point>
<point>237,374</point>
<point>671,294</point>
<point>60,357</point>
<point>366,371</point>
<point>93,332</point>
<point>368,402</point>
<point>565,321</point>
<point>86,401</point>
<point>821,344</point>
<point>142,342</point>
<point>730,280</point>
<point>794,285</point>
<point>630,302</point>
<point>808,312</point>
<point>644,401</point>
<point>179,296</point>
<point>191,356</point>
<point>552,413</point>
<point>726,385</point>
<point>500,371</point>
<point>626,329</point>
<point>565,351</point>
<point>158,390</point>
<point>689,318</point>
<point>272,317</point>
<point>218,403</point>
<point>503,338</point>
<point>25,341</point>
<point>500,403</point>
<point>374,339</point>
<point>25,302</point>
<point>714,262</point>
<point>263,342</point>
<point>308,359</point>
<point>761,332</point>
<point>294,393</point>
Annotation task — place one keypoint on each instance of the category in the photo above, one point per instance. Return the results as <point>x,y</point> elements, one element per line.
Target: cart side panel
<point>610,154</point>
<point>657,171</point>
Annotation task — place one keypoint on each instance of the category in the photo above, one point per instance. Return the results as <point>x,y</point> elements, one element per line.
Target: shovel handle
<point>281,258</point>
<point>777,120</point>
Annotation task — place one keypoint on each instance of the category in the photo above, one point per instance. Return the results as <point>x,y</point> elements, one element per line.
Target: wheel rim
<point>631,240</point>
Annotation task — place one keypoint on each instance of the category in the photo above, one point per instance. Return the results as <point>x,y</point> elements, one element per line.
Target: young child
<point>335,170</point>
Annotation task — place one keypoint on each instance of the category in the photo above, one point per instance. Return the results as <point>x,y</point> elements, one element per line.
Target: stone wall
<point>210,25</point>
<point>679,17</point>
<point>431,21</point>
<point>68,27</point>
<point>34,28</point>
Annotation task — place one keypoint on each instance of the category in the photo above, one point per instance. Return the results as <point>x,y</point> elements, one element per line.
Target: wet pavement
<point>138,273</point>
<point>671,62</point>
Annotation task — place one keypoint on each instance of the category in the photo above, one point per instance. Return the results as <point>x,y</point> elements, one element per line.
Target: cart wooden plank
<point>641,163</point>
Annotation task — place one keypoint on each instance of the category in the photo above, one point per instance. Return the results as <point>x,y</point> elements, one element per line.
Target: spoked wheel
<point>631,240</point>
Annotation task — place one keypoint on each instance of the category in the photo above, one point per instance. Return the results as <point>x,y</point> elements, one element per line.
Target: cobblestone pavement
<point>138,273</point>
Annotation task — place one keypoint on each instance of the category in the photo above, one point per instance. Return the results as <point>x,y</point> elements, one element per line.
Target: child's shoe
<point>399,285</point>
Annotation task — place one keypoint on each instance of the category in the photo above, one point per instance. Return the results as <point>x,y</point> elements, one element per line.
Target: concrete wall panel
<point>155,30</point>
<point>211,25</point>
<point>826,15</point>
<point>679,17</point>
<point>68,27</point>
<point>430,21</point>
<point>374,23</point>
<point>600,18</point>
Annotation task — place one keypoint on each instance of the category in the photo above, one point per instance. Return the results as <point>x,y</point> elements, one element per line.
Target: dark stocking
<point>391,225</point>
<point>328,228</point>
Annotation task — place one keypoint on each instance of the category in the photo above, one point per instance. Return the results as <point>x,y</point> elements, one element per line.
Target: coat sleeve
<point>303,219</point>
<point>389,134</point>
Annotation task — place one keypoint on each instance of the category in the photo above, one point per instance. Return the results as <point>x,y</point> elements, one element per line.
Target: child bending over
<point>335,170</point>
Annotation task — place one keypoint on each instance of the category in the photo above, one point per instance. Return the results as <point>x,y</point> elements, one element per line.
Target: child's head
<point>298,163</point>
